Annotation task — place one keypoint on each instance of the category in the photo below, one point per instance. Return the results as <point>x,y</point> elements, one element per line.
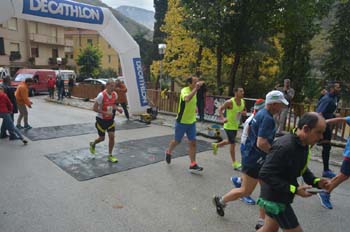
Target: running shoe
<point>325,199</point>
<point>215,148</point>
<point>27,127</point>
<point>258,226</point>
<point>196,169</point>
<point>328,174</point>
<point>220,208</point>
<point>25,142</point>
<point>236,181</point>
<point>92,148</point>
<point>112,159</point>
<point>248,200</point>
<point>19,126</point>
<point>237,166</point>
<point>167,157</point>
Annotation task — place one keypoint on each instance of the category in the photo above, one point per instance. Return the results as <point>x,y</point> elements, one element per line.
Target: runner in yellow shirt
<point>234,107</point>
<point>186,123</point>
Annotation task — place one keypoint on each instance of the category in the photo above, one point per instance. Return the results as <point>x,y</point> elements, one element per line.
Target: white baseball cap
<point>275,96</point>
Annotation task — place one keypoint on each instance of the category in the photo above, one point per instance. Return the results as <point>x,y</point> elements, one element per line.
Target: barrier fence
<point>169,101</point>
<point>86,91</point>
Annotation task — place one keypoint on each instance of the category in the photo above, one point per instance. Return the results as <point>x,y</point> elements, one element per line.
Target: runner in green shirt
<point>186,122</point>
<point>234,107</point>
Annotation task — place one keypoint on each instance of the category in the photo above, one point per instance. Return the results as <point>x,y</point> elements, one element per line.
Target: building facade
<point>27,44</point>
<point>83,38</point>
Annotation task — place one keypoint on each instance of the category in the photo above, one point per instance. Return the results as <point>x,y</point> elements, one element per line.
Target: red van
<point>39,76</point>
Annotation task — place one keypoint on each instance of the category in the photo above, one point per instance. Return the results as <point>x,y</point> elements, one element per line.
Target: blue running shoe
<point>248,200</point>
<point>325,200</point>
<point>328,174</point>
<point>236,181</point>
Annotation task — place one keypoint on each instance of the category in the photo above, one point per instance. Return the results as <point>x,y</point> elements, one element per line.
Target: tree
<point>337,64</point>
<point>298,24</point>
<point>180,58</point>
<point>205,21</point>
<point>249,29</point>
<point>89,60</point>
<point>233,28</point>
<point>107,73</point>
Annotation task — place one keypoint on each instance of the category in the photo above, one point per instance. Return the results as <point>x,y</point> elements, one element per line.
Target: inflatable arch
<point>73,14</point>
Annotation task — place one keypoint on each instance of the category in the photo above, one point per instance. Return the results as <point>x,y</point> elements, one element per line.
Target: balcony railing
<point>46,39</point>
<point>68,49</point>
<point>69,43</point>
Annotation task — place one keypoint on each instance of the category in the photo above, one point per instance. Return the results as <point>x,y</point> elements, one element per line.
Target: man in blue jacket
<point>327,107</point>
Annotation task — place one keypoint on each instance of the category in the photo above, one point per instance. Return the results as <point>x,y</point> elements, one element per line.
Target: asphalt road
<point>37,196</point>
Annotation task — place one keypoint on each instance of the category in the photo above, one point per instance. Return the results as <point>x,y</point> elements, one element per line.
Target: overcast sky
<point>145,4</point>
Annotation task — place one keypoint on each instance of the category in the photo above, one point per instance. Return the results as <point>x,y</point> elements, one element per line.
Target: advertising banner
<point>79,15</point>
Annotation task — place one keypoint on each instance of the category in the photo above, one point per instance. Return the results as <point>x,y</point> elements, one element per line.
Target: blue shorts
<point>181,129</point>
<point>345,167</point>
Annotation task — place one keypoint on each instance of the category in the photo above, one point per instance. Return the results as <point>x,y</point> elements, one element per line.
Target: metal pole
<point>160,75</point>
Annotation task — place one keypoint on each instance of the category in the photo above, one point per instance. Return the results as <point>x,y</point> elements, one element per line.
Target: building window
<point>14,47</point>
<point>109,59</point>
<point>12,24</point>
<point>54,53</point>
<point>109,46</point>
<point>35,52</point>
<point>89,41</point>
<point>14,52</point>
<point>72,56</point>
<point>2,47</point>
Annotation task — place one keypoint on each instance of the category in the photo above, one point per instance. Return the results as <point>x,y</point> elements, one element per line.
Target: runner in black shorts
<point>105,106</point>
<point>284,172</point>
<point>233,108</point>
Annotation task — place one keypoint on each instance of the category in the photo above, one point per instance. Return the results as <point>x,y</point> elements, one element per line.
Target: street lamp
<point>161,50</point>
<point>59,62</point>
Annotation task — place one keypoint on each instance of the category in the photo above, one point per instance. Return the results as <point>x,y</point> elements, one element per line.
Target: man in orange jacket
<point>23,101</point>
<point>121,90</point>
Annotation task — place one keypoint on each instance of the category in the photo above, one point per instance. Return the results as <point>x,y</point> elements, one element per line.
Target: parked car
<point>39,76</point>
<point>95,81</point>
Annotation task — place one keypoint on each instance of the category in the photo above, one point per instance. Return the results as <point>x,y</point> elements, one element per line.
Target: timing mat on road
<point>131,154</point>
<point>53,132</point>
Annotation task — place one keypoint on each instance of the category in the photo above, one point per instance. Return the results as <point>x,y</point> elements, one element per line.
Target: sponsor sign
<point>212,104</point>
<point>140,81</point>
<point>64,10</point>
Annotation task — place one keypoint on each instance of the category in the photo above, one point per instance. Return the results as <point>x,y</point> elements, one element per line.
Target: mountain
<point>142,16</point>
<point>131,26</point>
